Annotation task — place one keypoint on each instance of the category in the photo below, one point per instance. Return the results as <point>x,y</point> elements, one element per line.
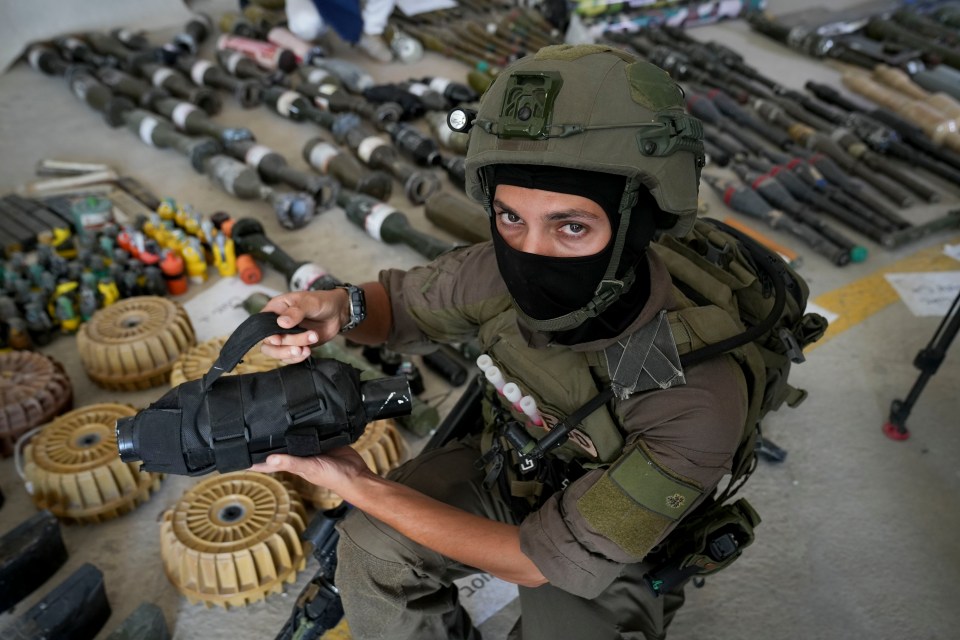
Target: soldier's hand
<point>335,470</point>
<point>321,313</point>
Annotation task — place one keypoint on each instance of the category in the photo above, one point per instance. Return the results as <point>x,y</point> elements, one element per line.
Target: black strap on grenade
<point>245,337</point>
<point>225,407</point>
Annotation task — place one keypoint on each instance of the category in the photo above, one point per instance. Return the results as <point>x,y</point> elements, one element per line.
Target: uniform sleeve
<point>444,301</point>
<point>682,439</point>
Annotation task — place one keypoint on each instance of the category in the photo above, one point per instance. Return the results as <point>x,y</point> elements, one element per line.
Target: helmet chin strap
<point>609,289</point>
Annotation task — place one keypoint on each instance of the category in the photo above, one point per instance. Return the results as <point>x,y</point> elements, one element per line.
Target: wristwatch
<point>358,305</point>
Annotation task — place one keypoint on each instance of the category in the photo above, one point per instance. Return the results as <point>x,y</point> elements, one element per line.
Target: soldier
<point>579,154</point>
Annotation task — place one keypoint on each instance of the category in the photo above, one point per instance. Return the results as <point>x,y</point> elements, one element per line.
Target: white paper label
<point>256,154</point>
<point>317,76</point>
<point>374,220</point>
<point>233,60</point>
<point>321,154</point>
<point>198,70</point>
<point>160,75</point>
<point>180,113</point>
<point>305,275</point>
<point>418,89</point>
<point>34,57</point>
<point>72,43</point>
<point>284,101</point>
<point>328,89</point>
<point>366,148</point>
<point>439,84</point>
<point>147,125</point>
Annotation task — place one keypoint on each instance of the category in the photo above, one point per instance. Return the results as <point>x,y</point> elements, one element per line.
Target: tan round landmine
<point>33,389</point>
<point>73,469</point>
<point>381,445</point>
<point>132,344</point>
<point>233,539</point>
<point>196,361</point>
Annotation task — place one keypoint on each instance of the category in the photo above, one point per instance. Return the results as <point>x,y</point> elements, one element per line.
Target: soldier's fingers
<point>276,462</point>
<point>291,317</point>
<point>279,304</point>
<point>287,354</point>
<point>302,339</point>
<point>304,467</point>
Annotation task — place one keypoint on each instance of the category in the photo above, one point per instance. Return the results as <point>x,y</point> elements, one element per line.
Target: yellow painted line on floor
<point>862,298</point>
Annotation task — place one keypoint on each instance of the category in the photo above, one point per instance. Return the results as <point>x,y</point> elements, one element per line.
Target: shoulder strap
<point>249,333</point>
<point>771,267</point>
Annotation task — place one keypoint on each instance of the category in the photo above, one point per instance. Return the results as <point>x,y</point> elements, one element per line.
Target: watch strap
<point>358,306</point>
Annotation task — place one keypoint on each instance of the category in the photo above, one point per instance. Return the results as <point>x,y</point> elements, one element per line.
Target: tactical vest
<point>562,380</point>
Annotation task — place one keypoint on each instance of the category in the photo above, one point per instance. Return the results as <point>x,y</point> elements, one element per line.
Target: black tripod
<point>928,361</point>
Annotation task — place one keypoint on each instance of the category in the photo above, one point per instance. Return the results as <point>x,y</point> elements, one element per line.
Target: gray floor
<point>858,538</point>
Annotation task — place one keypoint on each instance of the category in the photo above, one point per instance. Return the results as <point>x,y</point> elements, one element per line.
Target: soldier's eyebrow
<point>554,216</point>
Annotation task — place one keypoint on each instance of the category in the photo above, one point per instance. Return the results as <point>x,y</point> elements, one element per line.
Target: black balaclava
<point>547,287</point>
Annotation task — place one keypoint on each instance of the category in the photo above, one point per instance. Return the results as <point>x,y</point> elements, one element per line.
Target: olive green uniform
<point>590,539</point>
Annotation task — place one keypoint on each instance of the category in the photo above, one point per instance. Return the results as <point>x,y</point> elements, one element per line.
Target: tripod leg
<point>928,361</point>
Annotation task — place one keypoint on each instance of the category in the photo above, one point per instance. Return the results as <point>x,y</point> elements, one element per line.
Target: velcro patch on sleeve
<point>635,501</point>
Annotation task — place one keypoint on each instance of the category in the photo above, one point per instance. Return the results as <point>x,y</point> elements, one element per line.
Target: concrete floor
<point>858,538</point>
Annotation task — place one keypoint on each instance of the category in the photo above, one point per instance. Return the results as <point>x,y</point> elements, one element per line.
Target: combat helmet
<point>596,108</point>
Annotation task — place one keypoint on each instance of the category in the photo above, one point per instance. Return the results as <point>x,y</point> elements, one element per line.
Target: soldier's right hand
<point>321,313</point>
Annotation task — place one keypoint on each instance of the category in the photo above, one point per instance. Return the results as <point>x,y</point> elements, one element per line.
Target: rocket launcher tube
<point>866,222</point>
<point>816,141</point>
<point>801,187</point>
<point>703,108</point>
<point>744,200</point>
<point>778,196</point>
<point>911,133</point>
<point>879,164</point>
<point>729,107</point>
